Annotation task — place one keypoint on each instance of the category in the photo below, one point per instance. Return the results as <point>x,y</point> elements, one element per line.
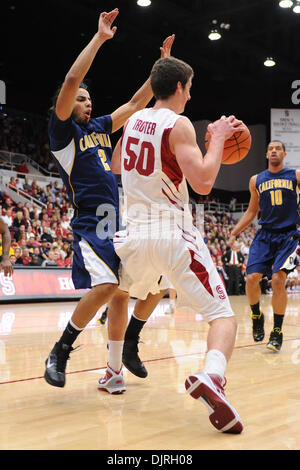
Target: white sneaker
<point>112,382</point>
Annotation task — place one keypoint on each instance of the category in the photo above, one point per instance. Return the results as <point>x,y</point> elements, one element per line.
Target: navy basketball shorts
<point>95,261</point>
<point>271,252</point>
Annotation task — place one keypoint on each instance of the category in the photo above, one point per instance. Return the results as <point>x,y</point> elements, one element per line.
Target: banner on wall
<point>34,284</point>
<point>285,126</point>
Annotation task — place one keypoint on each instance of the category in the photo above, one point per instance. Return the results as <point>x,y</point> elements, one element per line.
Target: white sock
<point>115,349</point>
<point>215,363</point>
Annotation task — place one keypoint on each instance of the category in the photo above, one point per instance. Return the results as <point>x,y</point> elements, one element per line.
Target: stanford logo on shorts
<point>221,292</point>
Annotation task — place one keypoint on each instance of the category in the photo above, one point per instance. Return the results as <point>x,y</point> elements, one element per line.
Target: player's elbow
<point>203,188</point>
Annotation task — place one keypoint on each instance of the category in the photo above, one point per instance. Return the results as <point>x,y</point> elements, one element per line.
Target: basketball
<point>236,148</point>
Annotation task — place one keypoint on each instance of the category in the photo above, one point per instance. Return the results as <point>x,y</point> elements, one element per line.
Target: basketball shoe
<point>258,331</point>
<point>112,382</point>
<point>131,358</point>
<point>56,364</point>
<point>275,340</point>
<point>209,389</point>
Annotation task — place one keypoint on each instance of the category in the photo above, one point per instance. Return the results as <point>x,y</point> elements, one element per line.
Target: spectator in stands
<point>27,186</point>
<point>233,260</point>
<point>46,235</point>
<point>232,204</point>
<point>18,256</point>
<point>26,258</point>
<point>12,183</point>
<point>44,249</point>
<point>31,243</point>
<point>18,221</point>
<point>7,217</point>
<point>50,261</point>
<point>18,233</point>
<point>34,186</point>
<point>22,168</point>
<point>35,261</point>
<point>18,184</point>
<point>57,257</point>
<point>13,260</point>
<point>69,260</point>
<point>37,257</point>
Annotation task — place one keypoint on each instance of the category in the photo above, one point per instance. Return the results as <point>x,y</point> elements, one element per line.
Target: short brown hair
<point>165,75</point>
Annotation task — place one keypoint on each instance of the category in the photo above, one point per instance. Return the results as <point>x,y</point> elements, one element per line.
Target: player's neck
<point>275,169</point>
<point>167,104</point>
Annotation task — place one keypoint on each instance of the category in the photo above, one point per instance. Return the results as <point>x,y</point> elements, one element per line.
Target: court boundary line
<point>145,361</point>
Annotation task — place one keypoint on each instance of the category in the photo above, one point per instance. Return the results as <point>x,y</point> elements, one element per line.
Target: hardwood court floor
<point>156,412</point>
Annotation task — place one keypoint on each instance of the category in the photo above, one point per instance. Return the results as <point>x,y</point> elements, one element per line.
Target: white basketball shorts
<point>184,260</point>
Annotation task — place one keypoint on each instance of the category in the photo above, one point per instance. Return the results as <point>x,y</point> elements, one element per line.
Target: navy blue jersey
<point>278,199</point>
<point>83,155</point>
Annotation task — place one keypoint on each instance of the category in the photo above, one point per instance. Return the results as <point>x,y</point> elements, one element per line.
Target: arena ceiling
<point>42,39</point>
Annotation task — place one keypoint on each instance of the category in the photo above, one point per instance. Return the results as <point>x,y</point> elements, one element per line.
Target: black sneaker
<point>275,341</point>
<point>258,331</point>
<point>56,365</point>
<point>131,358</point>
<point>103,317</point>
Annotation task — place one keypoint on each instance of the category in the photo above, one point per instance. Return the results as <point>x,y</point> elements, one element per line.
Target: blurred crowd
<point>40,236</point>
<point>27,135</point>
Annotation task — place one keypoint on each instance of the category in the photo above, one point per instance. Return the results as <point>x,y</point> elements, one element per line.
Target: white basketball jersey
<point>154,186</point>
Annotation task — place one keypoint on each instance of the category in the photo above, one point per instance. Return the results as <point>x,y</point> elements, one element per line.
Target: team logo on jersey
<point>221,292</point>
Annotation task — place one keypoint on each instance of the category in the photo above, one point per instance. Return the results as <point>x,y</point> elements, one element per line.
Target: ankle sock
<point>215,363</point>
<point>278,320</point>
<point>255,310</point>
<point>115,349</point>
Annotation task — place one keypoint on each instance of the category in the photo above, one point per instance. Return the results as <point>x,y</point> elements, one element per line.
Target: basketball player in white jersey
<point>157,153</point>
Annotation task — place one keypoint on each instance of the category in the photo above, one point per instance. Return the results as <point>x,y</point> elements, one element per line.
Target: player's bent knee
<point>253,279</point>
<point>278,280</point>
<point>107,289</point>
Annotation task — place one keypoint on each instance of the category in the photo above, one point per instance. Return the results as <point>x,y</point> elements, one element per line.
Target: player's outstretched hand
<point>105,29</point>
<point>165,50</point>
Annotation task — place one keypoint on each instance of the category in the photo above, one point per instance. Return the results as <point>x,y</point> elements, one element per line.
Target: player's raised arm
<point>76,74</point>
<point>200,171</point>
<point>143,95</point>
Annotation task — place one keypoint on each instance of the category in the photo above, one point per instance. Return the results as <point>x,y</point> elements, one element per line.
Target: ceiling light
<point>269,62</point>
<point>285,3</point>
<point>143,3</point>
<point>296,8</point>
<point>214,35</point>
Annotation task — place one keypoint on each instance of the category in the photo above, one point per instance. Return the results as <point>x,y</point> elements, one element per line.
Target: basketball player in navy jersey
<point>274,194</point>
<point>82,151</point>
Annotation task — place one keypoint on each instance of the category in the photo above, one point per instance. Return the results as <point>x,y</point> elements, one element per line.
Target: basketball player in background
<point>274,195</point>
<point>156,154</point>
<point>5,263</point>
<point>82,151</point>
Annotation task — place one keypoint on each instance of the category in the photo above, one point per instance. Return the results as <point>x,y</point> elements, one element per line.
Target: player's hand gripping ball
<point>236,148</point>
